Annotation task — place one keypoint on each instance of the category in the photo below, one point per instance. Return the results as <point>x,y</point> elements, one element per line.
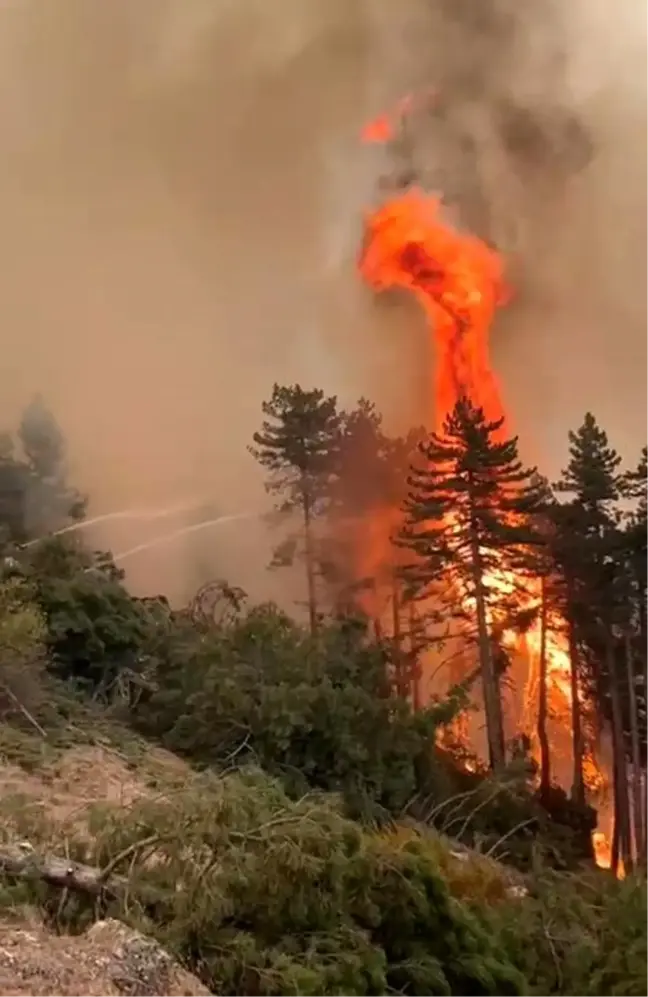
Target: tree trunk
<point>578,745</point>
<point>22,862</point>
<point>490,684</point>
<point>637,802</point>
<point>397,641</point>
<point>644,696</point>
<point>614,851</point>
<point>621,858</point>
<point>543,739</point>
<point>620,773</point>
<point>643,858</point>
<point>414,667</point>
<point>310,560</point>
<point>644,810</point>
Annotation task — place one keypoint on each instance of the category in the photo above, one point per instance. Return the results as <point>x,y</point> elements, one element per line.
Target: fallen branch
<point>107,871</point>
<point>23,709</point>
<point>23,862</point>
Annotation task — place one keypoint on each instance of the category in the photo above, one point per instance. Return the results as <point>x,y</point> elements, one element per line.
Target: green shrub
<point>581,934</point>
<point>315,712</point>
<point>283,897</point>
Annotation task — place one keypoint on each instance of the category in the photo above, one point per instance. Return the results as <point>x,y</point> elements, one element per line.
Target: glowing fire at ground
<point>603,851</point>
<point>459,282</point>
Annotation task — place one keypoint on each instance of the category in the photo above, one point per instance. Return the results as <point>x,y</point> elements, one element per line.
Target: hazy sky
<point>181,196</point>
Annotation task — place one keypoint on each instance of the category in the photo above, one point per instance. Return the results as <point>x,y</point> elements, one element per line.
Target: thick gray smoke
<point>181,199</point>
<point>533,131</point>
<point>529,120</point>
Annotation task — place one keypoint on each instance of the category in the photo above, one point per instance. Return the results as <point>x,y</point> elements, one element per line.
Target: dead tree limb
<point>23,709</point>
<point>24,863</point>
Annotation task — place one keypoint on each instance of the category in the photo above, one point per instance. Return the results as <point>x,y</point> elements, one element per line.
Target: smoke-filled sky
<point>181,201</point>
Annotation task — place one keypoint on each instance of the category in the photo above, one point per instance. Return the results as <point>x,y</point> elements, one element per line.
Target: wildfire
<point>459,282</point>
<point>456,278</point>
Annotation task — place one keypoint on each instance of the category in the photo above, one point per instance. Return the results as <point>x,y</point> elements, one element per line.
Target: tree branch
<point>23,862</point>
<point>23,709</point>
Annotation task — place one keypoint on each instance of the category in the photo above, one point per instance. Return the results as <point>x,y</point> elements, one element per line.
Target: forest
<point>380,802</point>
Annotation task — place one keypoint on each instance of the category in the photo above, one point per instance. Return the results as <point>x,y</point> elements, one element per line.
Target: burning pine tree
<point>452,541</point>
<point>459,281</point>
<point>468,522</point>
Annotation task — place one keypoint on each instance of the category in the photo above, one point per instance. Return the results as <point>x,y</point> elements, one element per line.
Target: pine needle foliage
<point>264,895</point>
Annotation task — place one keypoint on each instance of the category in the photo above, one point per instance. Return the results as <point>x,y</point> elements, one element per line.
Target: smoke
<point>165,242</point>
<point>535,133</point>
<point>181,200</point>
<point>582,340</point>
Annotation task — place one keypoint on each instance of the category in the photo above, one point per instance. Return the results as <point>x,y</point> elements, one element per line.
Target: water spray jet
<point>176,534</point>
<point>145,514</point>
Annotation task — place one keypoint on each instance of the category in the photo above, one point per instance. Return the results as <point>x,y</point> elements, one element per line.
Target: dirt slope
<point>108,959</point>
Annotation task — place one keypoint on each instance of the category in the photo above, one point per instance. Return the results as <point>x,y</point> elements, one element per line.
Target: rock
<point>110,958</point>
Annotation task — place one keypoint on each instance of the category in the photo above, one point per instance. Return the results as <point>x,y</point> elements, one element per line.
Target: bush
<point>503,816</point>
<point>258,893</point>
<point>316,712</point>
<point>581,934</point>
<point>264,895</point>
<point>22,661</point>
<point>95,628</point>
<point>320,713</point>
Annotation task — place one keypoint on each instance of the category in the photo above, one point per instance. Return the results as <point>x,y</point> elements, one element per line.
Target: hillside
<point>225,873</point>
<point>48,786</point>
<point>67,795</point>
<point>107,959</point>
<point>290,805</point>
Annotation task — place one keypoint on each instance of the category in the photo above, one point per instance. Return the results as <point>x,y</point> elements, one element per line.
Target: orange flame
<point>457,279</point>
<point>385,126</point>
<point>459,282</point>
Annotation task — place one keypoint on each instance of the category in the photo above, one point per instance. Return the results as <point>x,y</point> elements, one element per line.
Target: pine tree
<point>544,570</point>
<point>588,549</point>
<point>359,560</point>
<point>369,492</point>
<point>362,467</point>
<point>565,551</point>
<point>632,582</point>
<point>635,484</point>
<point>592,476</point>
<point>51,502</point>
<point>14,486</point>
<point>299,445</point>
<point>408,632</point>
<point>468,517</point>
<point>357,496</point>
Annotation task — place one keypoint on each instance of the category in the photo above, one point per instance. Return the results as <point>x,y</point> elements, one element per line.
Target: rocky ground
<point>108,959</point>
